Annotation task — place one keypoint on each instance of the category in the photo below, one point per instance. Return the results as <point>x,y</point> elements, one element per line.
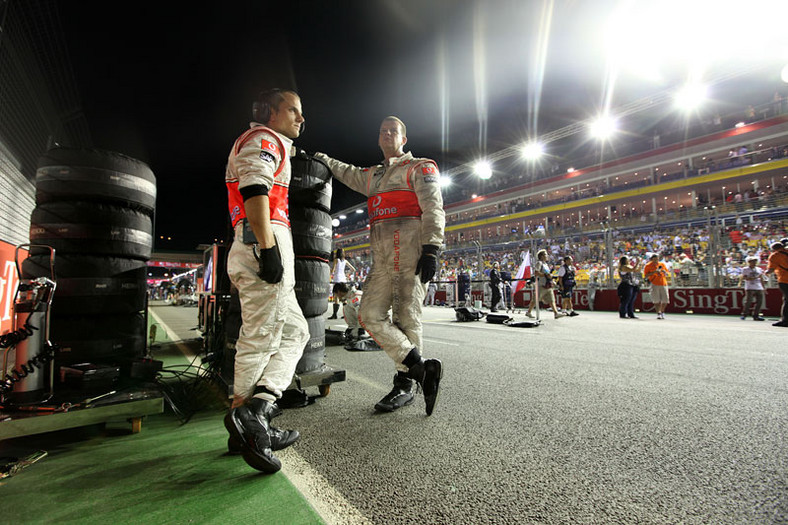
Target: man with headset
<point>406,233</point>
<point>261,265</point>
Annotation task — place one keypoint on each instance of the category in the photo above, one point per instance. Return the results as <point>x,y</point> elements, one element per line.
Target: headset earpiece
<point>261,108</point>
<point>261,112</point>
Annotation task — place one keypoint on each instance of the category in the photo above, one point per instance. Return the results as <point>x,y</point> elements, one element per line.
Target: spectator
<point>629,287</point>
<point>566,283</point>
<point>749,114</point>
<point>544,284</point>
<point>495,284</point>
<point>753,279</point>
<point>657,274</point>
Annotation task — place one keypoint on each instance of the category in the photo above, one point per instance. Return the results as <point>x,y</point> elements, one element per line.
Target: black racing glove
<point>428,262</point>
<point>269,262</point>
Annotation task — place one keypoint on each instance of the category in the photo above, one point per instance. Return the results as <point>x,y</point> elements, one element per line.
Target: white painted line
<point>325,499</point>
<point>368,382</point>
<point>173,337</point>
<point>440,342</point>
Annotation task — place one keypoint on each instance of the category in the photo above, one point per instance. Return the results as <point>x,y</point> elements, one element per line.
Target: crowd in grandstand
<point>603,187</point>
<point>685,250</point>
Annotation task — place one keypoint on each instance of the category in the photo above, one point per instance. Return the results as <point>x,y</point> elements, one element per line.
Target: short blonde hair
<point>398,121</point>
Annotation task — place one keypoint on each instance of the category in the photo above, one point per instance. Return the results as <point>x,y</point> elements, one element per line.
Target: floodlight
<point>784,74</point>
<point>532,150</point>
<point>445,181</point>
<point>342,217</point>
<point>335,223</point>
<point>360,210</point>
<point>483,169</point>
<point>603,127</point>
<point>691,96</point>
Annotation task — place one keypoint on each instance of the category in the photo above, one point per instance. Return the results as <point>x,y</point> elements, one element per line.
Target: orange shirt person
<point>657,274</point>
<point>778,263</point>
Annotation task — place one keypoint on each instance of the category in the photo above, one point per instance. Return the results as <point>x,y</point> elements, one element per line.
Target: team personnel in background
<point>406,234</point>
<point>657,274</point>
<point>566,284</point>
<point>546,286</point>
<point>432,289</point>
<point>778,264</point>
<point>260,264</point>
<point>495,284</point>
<point>351,299</point>
<point>338,275</point>
<point>753,280</point>
<point>628,288</point>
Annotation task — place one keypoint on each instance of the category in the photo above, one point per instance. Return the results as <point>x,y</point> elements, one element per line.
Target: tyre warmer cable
<point>25,369</point>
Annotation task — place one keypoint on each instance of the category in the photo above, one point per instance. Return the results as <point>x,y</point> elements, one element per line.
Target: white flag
<point>523,273</point>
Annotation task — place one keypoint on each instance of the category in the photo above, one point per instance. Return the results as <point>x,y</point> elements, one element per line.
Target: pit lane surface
<point>590,419</point>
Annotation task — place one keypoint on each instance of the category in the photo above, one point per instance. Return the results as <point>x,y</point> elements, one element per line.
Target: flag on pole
<point>524,272</point>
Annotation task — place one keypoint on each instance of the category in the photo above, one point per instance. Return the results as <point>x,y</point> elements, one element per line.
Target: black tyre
<point>94,296</point>
<point>76,265</point>
<point>310,183</point>
<point>312,286</point>
<point>315,351</point>
<point>311,232</point>
<point>98,339</point>
<point>92,285</point>
<point>90,228</point>
<point>95,175</point>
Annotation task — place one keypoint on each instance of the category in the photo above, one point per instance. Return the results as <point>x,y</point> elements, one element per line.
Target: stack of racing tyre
<point>96,209</point>
<point>310,222</point>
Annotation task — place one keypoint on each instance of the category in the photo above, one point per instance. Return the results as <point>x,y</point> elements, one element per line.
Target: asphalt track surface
<point>590,419</point>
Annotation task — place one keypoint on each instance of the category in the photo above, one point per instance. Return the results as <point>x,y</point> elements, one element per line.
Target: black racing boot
<point>427,373</point>
<point>234,446</point>
<point>336,309</point>
<point>349,336</point>
<point>280,439</point>
<point>400,395</point>
<point>249,426</point>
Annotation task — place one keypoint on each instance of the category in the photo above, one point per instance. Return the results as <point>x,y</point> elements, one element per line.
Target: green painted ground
<point>168,473</point>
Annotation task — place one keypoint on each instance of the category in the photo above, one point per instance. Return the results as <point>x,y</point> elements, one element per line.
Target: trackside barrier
<point>719,301</point>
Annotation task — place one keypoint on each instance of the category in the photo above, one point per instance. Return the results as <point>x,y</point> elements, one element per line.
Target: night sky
<point>171,83</point>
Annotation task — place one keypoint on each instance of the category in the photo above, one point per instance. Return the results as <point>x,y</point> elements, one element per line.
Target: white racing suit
<point>405,212</point>
<point>350,310</point>
<point>274,331</point>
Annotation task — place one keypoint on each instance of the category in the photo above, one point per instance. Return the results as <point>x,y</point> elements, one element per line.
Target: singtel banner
<point>721,301</point>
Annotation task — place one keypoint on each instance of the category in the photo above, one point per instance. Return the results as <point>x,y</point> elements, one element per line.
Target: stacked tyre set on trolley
<point>96,209</point>
<point>310,202</point>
